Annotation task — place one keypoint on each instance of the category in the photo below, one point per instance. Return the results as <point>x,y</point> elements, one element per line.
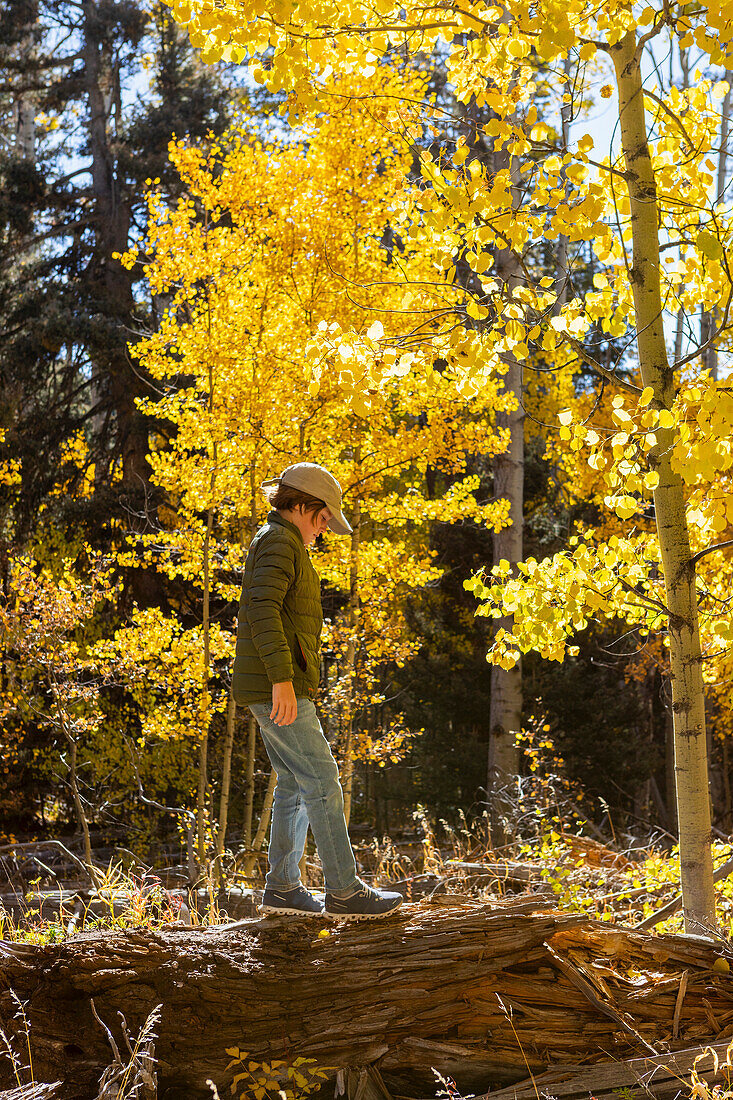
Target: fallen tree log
<point>661,1076</point>
<point>481,993</point>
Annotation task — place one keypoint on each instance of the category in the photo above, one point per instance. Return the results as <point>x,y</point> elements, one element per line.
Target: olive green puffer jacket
<point>280,616</point>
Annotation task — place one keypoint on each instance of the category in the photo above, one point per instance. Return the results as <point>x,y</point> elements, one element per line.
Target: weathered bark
<point>661,1076</point>
<point>482,994</point>
<point>688,698</point>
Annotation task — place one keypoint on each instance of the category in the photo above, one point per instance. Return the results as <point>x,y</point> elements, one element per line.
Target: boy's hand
<point>284,704</point>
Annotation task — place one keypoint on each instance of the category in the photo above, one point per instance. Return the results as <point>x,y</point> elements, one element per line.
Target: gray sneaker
<point>297,902</point>
<point>365,904</point>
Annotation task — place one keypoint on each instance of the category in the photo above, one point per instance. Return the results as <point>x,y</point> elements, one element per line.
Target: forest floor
<point>45,890</point>
<point>676,1005</point>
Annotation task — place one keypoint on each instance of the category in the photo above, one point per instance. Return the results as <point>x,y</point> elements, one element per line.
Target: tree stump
<point>478,992</point>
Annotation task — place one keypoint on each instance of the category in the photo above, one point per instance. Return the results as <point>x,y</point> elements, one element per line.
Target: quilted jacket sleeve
<point>272,575</point>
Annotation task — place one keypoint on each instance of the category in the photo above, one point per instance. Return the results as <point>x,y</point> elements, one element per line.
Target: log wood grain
<point>470,990</point>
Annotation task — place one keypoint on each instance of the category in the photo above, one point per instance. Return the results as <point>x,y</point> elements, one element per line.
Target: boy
<point>276,673</point>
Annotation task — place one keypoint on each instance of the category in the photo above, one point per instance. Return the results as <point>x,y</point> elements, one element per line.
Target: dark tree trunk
<point>470,990</point>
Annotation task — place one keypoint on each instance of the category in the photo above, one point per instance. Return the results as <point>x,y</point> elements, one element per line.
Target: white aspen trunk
<point>78,806</point>
<point>681,316</point>
<point>259,838</point>
<point>206,694</point>
<point>25,109</point>
<point>249,780</point>
<point>205,708</point>
<point>562,274</point>
<point>347,768</point>
<point>505,711</point>
<point>505,708</point>
<point>226,774</point>
<point>249,769</point>
<point>688,699</point>
<point>711,320</point>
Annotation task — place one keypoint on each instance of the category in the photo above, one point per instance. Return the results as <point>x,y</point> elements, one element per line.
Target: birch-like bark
<point>226,775</point>
<point>688,699</point>
<point>505,711</point>
<point>205,704</point>
<point>259,838</point>
<point>25,102</point>
<point>206,612</point>
<point>347,770</point>
<point>81,817</point>
<point>249,767</point>
<point>249,781</point>
<point>562,274</point>
<point>711,319</point>
<point>505,707</point>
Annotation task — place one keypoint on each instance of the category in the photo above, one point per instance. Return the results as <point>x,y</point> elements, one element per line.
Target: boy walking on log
<point>276,672</point>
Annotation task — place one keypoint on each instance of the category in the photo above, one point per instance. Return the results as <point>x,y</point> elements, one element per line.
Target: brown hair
<point>286,498</point>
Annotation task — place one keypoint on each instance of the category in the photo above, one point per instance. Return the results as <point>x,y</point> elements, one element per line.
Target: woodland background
<point>171,239</point>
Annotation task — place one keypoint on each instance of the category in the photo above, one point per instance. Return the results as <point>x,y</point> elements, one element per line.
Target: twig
<point>678,1004</point>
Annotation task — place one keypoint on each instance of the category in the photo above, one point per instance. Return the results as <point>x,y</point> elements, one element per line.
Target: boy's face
<point>313,524</point>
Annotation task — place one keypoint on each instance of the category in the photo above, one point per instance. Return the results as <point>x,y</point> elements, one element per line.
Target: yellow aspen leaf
<point>646,395</point>
<point>478,312</point>
<point>666,419</point>
<point>709,245</point>
<point>651,479</point>
<point>565,417</point>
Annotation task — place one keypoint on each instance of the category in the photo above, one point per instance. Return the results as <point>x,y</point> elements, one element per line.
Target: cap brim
<point>339,523</point>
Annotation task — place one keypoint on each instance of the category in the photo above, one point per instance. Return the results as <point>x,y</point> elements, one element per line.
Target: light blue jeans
<point>307,791</point>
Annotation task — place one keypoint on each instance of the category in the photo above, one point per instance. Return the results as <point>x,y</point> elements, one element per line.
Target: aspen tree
<point>688,697</point>
<point>652,449</point>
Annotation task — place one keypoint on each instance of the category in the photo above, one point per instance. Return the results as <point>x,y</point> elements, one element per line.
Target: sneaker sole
<point>361,916</point>
<point>289,912</point>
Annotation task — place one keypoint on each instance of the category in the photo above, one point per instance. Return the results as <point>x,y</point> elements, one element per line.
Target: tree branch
<point>708,550</point>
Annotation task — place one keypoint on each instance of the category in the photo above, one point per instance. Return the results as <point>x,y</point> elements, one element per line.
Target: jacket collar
<point>275,517</point>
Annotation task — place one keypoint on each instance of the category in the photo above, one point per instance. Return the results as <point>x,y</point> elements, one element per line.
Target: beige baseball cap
<point>315,480</point>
